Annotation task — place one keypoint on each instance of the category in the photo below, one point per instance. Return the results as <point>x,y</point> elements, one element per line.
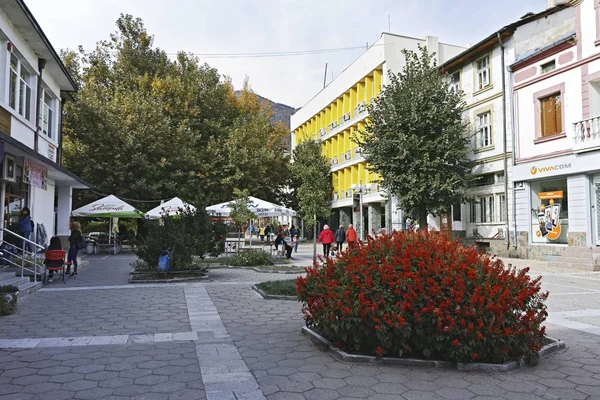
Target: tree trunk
<point>422,219</point>
<point>315,239</point>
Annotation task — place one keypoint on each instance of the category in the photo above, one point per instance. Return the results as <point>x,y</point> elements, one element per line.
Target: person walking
<point>351,236</point>
<point>261,233</point>
<point>25,227</point>
<point>326,237</point>
<point>268,232</point>
<point>340,238</point>
<point>76,243</point>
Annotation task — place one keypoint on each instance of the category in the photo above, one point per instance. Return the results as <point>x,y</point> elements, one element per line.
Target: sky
<point>226,27</point>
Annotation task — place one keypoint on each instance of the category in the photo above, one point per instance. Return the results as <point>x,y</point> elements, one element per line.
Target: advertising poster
<point>34,174</point>
<point>548,215</point>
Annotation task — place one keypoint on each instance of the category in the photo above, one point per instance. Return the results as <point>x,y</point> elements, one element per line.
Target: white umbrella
<point>261,208</point>
<point>108,207</point>
<point>171,207</point>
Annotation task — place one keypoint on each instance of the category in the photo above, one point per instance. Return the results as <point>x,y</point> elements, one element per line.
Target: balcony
<point>586,135</point>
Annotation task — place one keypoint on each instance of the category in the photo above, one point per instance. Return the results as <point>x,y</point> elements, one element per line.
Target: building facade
<point>34,84</point>
<point>557,156</point>
<point>339,112</point>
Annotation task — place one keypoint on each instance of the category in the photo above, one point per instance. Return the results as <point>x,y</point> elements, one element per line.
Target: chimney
<point>554,3</point>
<point>433,43</point>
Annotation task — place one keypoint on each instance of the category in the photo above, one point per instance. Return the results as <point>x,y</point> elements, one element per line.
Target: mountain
<point>281,112</point>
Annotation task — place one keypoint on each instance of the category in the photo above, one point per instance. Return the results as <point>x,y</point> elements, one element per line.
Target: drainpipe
<point>41,65</point>
<point>504,140</point>
<point>514,140</point>
<point>60,132</point>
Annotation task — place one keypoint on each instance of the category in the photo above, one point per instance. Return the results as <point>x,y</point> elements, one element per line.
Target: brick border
<point>340,355</point>
<point>272,296</point>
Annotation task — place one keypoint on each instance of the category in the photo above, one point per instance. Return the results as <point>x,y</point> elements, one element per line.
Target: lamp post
<point>361,189</point>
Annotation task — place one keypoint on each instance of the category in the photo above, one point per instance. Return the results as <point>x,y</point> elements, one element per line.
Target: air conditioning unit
<point>322,132</point>
<point>9,167</point>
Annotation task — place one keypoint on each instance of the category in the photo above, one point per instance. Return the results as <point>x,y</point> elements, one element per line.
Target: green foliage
<point>8,299</point>
<point>279,288</point>
<point>240,213</point>
<point>250,259</point>
<point>313,179</point>
<point>417,138</point>
<point>188,235</point>
<point>88,226</point>
<point>146,127</point>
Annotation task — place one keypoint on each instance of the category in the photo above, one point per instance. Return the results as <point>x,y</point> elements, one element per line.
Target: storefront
<point>557,200</point>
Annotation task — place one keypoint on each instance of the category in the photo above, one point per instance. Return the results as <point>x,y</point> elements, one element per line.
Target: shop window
<point>551,114</point>
<point>550,211</point>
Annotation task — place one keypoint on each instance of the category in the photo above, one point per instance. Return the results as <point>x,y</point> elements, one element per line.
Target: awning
<point>61,175</point>
<point>108,207</point>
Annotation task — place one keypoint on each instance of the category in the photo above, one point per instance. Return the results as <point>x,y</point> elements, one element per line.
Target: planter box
<point>325,345</point>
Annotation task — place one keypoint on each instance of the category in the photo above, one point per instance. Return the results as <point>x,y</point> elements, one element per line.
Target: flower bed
<point>419,295</point>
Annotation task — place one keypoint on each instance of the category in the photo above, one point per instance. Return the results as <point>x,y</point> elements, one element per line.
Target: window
<point>483,72</point>
<point>549,66</point>
<point>500,177</point>
<point>14,67</point>
<point>455,82</point>
<point>551,114</point>
<point>19,87</point>
<point>482,180</point>
<point>24,94</point>
<point>484,129</point>
<point>456,213</point>
<point>473,212</point>
<point>502,206</point>
<point>487,209</point>
<point>550,211</point>
<point>46,114</point>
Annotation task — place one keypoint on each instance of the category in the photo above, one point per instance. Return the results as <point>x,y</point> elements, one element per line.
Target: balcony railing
<point>586,135</point>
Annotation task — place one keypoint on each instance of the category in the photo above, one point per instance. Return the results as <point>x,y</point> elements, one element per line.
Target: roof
<point>62,174</point>
<point>492,40</point>
<point>30,29</point>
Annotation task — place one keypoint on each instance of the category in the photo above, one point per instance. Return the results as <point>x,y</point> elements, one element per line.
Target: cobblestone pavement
<point>99,338</point>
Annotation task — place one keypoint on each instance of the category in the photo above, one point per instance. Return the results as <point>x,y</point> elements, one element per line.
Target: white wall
<point>578,192</point>
<point>42,207</point>
<point>523,207</point>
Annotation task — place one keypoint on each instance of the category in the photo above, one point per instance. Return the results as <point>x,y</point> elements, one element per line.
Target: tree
<point>145,126</point>
<point>310,171</point>
<point>417,139</point>
<point>240,213</point>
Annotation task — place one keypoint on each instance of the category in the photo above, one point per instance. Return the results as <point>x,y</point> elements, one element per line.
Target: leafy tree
<point>145,126</point>
<point>310,171</point>
<point>417,139</point>
<point>240,213</point>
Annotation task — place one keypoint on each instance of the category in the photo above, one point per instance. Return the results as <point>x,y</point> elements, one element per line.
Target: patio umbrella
<point>261,208</point>
<point>108,207</point>
<point>171,207</point>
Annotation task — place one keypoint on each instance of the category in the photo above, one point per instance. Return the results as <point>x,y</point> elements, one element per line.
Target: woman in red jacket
<point>326,237</point>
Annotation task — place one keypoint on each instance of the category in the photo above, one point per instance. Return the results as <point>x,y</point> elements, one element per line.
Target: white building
<point>480,73</point>
<point>33,86</point>
<point>556,80</point>
<point>339,111</point>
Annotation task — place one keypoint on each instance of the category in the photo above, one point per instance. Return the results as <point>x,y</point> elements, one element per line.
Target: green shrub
<point>425,296</point>
<point>188,235</point>
<point>250,259</point>
<point>8,299</point>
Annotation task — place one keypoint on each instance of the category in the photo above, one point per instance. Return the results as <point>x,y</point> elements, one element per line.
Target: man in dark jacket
<point>340,237</point>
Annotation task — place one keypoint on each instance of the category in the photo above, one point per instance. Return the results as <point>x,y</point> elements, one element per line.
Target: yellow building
<point>339,112</point>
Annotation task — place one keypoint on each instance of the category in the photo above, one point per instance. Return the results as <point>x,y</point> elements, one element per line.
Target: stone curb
<point>262,271</point>
<point>175,280</point>
<point>338,354</point>
<point>272,296</point>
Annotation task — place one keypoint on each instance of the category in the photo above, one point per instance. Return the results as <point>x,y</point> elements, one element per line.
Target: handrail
<point>24,253</point>
<point>22,238</point>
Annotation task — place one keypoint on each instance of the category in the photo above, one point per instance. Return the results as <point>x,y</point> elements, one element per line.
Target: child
<point>295,240</point>
<point>54,245</point>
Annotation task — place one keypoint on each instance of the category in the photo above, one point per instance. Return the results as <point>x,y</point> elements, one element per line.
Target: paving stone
<point>41,387</point>
<point>455,394</point>
<point>151,380</point>
<point>79,385</point>
<point>94,393</point>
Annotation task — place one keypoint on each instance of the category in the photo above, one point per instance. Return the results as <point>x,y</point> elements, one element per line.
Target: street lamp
<point>361,189</point>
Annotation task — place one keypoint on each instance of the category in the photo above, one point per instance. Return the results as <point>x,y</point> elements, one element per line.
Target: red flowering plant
<point>423,295</point>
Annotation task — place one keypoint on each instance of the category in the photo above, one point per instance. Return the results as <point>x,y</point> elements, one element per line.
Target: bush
<point>280,288</point>
<point>250,259</point>
<point>8,299</point>
<point>424,296</point>
<point>188,235</point>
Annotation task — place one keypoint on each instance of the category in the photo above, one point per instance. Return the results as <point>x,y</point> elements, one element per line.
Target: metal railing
<point>22,253</point>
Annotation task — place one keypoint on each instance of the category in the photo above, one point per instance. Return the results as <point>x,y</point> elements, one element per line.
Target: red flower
<point>456,342</point>
<point>475,355</point>
<point>379,351</point>
<point>377,327</point>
